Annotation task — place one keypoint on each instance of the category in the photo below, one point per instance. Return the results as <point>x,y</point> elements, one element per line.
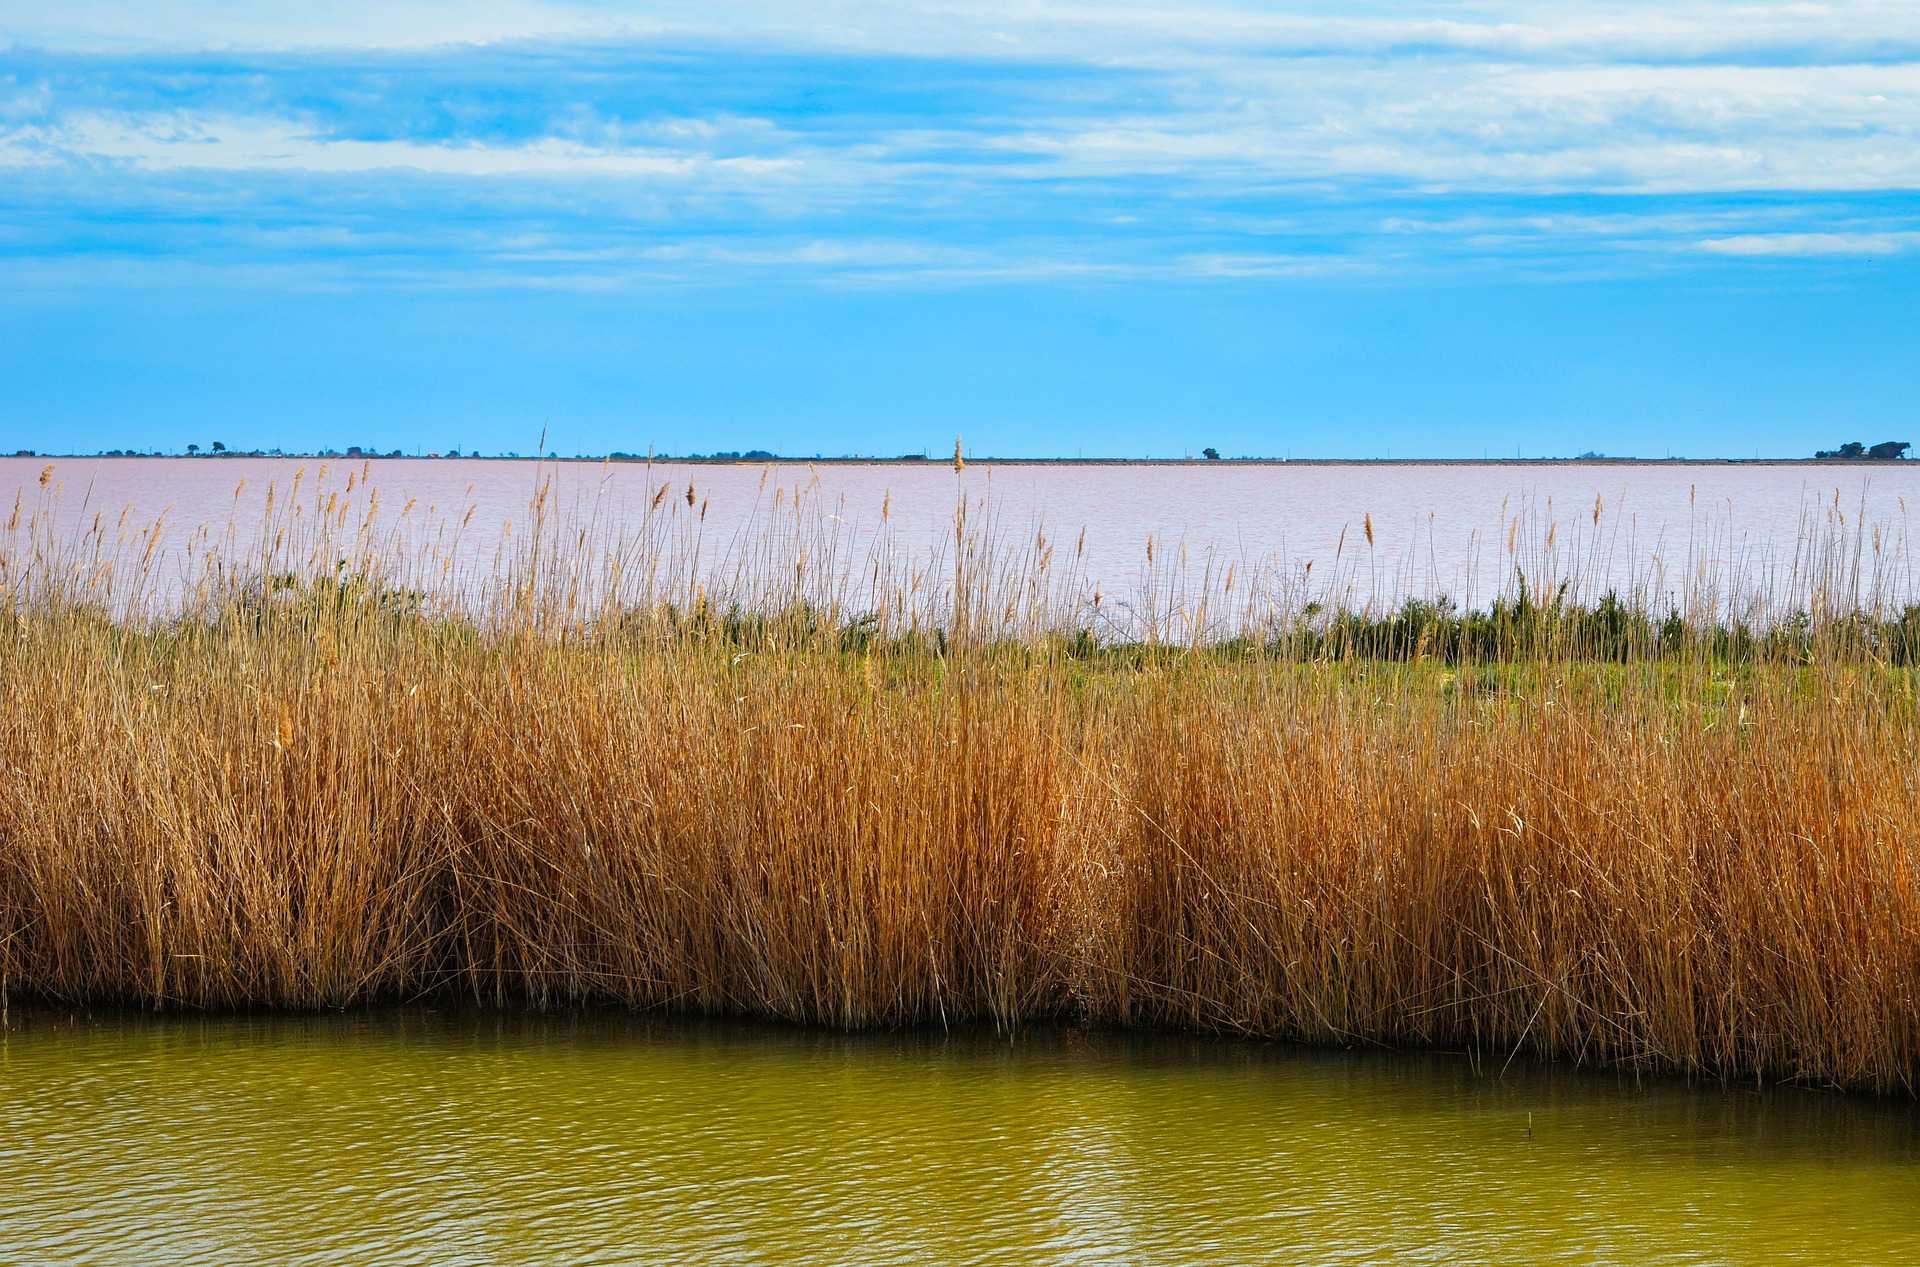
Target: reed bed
<point>303,780</point>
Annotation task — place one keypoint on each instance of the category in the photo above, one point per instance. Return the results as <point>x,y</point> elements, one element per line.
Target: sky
<point>1108,229</point>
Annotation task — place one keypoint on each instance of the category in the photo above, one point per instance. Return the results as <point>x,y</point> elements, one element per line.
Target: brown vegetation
<point>325,792</point>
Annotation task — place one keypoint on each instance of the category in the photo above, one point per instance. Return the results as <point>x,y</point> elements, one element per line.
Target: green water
<point>421,1137</point>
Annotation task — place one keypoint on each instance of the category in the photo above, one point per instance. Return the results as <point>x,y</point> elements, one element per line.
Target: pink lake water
<point>1371,532</point>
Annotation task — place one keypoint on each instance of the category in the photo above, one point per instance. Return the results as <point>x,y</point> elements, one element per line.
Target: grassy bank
<point>313,792</point>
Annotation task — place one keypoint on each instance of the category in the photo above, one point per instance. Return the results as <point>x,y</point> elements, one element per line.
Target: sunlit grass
<point>313,783</point>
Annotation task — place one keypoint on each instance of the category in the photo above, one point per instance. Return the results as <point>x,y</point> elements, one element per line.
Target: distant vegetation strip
<point>1853,451</point>
<point>1579,829</point>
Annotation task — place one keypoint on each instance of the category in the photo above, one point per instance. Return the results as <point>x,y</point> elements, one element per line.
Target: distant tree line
<point>1853,450</point>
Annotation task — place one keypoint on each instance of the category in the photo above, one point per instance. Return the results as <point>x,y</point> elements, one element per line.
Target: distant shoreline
<point>661,460</point>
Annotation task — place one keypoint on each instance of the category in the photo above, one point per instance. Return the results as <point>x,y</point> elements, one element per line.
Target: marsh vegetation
<point>312,768</point>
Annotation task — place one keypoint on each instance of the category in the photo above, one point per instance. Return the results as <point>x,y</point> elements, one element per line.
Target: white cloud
<point>1239,103</point>
<point>175,142</point>
<point>1275,265</point>
<point>1233,116</point>
<point>347,24</point>
<point>1814,244</point>
<point>1151,31</point>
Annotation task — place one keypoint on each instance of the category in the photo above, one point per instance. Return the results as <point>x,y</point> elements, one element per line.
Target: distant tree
<point>219,447</point>
<point>1210,454</point>
<point>193,448</point>
<point>1854,451</point>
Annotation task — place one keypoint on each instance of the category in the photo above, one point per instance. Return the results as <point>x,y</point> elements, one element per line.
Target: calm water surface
<point>457,1138</point>
<point>1436,528</point>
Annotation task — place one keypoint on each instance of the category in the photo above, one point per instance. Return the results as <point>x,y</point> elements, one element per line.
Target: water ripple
<point>425,1138</point>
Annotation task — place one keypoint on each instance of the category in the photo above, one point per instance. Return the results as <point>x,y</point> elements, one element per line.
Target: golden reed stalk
<point>336,799</point>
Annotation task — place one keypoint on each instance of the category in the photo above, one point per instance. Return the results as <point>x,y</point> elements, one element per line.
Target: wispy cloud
<point>699,142</point>
<point>1814,245</point>
<point>184,142</point>
<point>1158,30</point>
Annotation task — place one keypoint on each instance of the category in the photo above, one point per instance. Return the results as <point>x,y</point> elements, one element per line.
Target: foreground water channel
<point>457,1137</point>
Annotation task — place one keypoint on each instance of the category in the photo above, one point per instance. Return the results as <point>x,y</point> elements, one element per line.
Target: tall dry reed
<point>307,785</point>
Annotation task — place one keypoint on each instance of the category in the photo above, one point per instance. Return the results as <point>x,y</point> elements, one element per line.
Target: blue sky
<point>1113,229</point>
